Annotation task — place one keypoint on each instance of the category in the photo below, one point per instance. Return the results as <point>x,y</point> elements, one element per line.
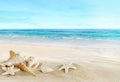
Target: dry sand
<point>98,63</point>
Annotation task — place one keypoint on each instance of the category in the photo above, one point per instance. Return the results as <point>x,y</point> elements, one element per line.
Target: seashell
<point>17,60</point>
<point>32,62</point>
<point>14,58</point>
<point>23,67</point>
<point>13,54</point>
<point>45,69</point>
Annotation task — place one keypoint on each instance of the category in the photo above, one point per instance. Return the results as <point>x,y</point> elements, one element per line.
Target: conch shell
<point>14,58</point>
<point>17,60</point>
<point>23,67</point>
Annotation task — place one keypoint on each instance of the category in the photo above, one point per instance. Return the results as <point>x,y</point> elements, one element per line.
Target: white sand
<point>98,63</point>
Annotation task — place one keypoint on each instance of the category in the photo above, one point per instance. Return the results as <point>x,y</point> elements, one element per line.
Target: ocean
<point>59,35</point>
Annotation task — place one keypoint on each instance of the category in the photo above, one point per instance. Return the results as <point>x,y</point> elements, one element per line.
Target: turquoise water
<point>41,35</point>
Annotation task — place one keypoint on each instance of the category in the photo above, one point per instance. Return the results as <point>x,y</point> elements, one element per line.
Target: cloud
<point>59,14</point>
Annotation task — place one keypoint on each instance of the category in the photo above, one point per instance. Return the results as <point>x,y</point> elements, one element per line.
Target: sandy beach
<point>59,40</point>
<point>97,63</point>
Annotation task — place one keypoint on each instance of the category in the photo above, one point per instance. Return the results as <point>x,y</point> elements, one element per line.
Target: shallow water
<point>69,36</point>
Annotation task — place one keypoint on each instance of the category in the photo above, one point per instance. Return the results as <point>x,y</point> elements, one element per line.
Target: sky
<point>58,14</point>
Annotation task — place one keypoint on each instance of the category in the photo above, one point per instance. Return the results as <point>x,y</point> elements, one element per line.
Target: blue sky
<point>59,14</point>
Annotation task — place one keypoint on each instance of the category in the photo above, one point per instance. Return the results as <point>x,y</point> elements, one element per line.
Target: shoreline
<point>71,44</point>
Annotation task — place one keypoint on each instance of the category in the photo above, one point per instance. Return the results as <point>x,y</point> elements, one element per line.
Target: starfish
<point>9,70</point>
<point>66,67</point>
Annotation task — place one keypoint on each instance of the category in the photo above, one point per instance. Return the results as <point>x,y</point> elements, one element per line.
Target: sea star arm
<point>61,67</point>
<point>5,73</point>
<point>66,70</point>
<point>12,73</point>
<point>4,68</point>
<point>73,67</point>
